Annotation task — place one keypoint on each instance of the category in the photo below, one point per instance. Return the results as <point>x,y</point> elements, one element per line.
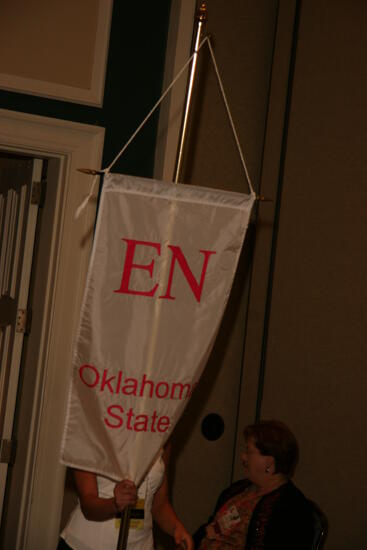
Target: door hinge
<point>8,449</point>
<point>24,318</point>
<point>38,192</point>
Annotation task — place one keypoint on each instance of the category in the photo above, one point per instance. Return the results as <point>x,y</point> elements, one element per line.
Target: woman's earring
<point>267,469</point>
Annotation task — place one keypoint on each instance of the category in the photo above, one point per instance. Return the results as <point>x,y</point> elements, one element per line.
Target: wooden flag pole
<point>200,18</point>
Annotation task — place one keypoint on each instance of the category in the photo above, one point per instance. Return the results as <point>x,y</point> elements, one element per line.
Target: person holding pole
<point>95,522</point>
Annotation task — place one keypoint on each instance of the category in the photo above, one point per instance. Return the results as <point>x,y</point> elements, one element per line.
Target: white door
<point>20,184</point>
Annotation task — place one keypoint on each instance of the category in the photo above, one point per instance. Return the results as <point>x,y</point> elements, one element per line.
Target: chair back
<point>320,527</point>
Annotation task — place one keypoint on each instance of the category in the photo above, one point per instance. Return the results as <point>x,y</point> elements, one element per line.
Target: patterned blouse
<point>228,531</point>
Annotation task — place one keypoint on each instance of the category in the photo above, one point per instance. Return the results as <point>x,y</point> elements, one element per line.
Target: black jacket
<point>282,519</point>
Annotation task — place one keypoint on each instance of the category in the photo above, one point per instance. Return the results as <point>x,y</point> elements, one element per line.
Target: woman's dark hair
<point>273,438</point>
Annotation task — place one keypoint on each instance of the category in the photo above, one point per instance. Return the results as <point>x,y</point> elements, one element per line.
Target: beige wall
<point>315,377</point>
<point>55,49</point>
<point>33,45</point>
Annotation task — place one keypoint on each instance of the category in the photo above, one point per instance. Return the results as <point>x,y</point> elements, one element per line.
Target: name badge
<point>136,516</point>
<point>229,518</point>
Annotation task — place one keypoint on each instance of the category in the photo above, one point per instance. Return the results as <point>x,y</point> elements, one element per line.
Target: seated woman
<point>265,510</point>
<point>95,522</point>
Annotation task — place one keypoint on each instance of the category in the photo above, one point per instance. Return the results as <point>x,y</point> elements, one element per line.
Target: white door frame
<point>76,146</point>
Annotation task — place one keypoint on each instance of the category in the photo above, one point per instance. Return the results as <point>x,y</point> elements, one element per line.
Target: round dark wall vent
<point>212,426</point>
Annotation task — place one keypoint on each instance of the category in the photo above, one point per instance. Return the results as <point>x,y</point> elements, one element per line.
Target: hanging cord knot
<point>96,174</point>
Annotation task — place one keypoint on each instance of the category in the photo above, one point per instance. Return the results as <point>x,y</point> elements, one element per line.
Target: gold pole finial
<point>202,12</point>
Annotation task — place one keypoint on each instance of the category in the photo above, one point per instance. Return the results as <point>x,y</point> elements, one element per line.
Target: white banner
<point>161,270</point>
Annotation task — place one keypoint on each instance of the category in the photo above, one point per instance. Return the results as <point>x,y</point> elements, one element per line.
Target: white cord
<point>107,170</point>
<point>230,118</point>
<point>83,204</point>
<point>206,39</point>
<point>154,107</point>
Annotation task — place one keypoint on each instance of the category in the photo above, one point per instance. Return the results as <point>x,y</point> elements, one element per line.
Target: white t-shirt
<point>83,534</point>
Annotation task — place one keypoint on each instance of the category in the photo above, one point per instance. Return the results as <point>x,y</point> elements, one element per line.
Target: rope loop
<point>228,111</point>
<point>106,170</point>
